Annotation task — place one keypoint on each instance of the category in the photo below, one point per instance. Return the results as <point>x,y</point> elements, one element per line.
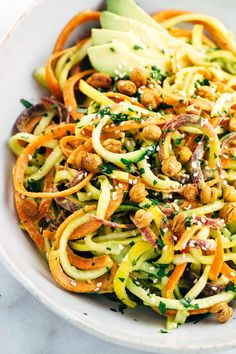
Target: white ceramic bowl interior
<point>25,48</point>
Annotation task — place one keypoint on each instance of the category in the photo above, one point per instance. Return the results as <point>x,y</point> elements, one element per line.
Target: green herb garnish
<point>162,308</point>
<point>156,74</point>
<point>188,221</point>
<point>26,103</point>
<point>122,280</point>
<point>127,163</point>
<point>106,168</point>
<point>163,330</point>
<point>137,47</point>
<point>187,304</point>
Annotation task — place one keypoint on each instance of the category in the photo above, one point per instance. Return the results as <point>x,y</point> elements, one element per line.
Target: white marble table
<point>26,326</point>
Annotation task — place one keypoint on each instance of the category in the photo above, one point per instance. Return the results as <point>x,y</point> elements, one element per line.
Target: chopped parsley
<point>32,185</point>
<point>106,168</point>
<point>197,139</point>
<point>40,150</point>
<point>232,156</point>
<point>26,103</point>
<point>119,118</point>
<point>137,47</point>
<point>146,206</point>
<point>112,50</point>
<point>96,106</point>
<point>127,163</point>
<point>154,201</point>
<point>161,271</point>
<point>187,304</point>
<point>160,243</point>
<point>105,111</point>
<point>141,171</point>
<point>204,82</point>
<point>188,221</point>
<point>122,280</point>
<point>162,308</point>
<point>121,308</point>
<point>156,74</point>
<point>178,141</point>
<point>230,287</point>
<point>164,105</point>
<point>163,330</point>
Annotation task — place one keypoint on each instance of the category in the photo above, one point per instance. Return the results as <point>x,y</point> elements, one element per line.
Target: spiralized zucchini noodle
<point>125,173</point>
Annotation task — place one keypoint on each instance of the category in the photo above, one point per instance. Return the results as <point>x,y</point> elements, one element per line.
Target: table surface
<point>27,327</point>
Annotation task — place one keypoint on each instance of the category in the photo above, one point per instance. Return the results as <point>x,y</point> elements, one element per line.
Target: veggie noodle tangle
<point>125,174</point>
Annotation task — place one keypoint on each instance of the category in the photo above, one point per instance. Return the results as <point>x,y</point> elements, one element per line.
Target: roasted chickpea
<point>228,213</point>
<point>151,132</point>
<point>222,312</point>
<point>142,218</point>
<point>100,80</point>
<point>208,194</point>
<point>30,207</point>
<point>113,145</point>
<point>171,167</point>
<point>126,87</point>
<point>193,109</point>
<point>138,193</point>
<point>229,194</point>
<point>202,104</point>
<point>79,161</point>
<point>183,154</point>
<point>206,92</point>
<point>92,162</point>
<point>149,99</point>
<point>178,225</point>
<point>139,77</point>
<point>190,192</point>
<point>153,120</point>
<point>232,124</point>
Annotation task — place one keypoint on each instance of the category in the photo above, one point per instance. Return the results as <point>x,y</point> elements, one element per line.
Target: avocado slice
<point>157,39</point>
<point>153,38</point>
<point>117,60</point>
<point>104,36</point>
<point>129,8</point>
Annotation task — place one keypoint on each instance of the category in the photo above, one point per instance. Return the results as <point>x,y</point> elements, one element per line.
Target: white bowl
<point>25,48</point>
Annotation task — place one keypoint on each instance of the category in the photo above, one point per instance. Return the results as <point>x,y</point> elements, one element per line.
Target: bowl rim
<point>87,325</point>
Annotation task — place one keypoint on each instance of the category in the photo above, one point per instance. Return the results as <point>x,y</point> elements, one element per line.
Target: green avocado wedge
<point>151,37</point>
<point>128,8</point>
<point>117,60</point>
<point>104,36</point>
<point>133,42</point>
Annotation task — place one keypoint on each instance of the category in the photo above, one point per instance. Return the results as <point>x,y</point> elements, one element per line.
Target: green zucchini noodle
<point>125,177</point>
